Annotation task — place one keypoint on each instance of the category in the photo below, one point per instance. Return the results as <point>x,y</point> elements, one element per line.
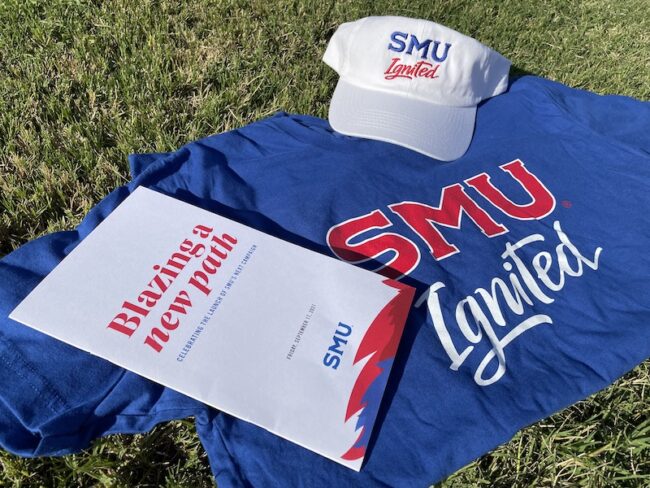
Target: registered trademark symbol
<point>566,204</point>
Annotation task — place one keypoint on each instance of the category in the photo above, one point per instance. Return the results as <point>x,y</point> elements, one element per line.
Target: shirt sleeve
<point>139,162</point>
<point>620,119</point>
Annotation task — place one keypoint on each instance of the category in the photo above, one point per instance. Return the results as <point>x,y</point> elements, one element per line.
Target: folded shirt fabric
<point>529,255</point>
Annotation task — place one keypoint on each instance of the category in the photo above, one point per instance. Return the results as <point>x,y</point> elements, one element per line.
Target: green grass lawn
<point>85,83</point>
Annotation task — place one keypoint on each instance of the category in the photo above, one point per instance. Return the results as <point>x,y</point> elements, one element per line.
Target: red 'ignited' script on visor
<point>421,69</point>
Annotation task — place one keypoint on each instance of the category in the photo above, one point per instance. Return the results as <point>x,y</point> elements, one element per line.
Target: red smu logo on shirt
<point>426,221</point>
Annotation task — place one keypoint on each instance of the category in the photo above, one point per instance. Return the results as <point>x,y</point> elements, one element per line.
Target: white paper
<point>250,324</point>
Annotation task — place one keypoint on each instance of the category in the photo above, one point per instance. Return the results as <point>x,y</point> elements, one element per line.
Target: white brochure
<point>293,341</point>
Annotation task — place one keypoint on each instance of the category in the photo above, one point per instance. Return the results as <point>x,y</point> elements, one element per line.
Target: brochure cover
<point>293,341</point>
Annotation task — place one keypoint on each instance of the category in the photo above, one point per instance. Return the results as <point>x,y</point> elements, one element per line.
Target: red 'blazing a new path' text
<point>214,253</point>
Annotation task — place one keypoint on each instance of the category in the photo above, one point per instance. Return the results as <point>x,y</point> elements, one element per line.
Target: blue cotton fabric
<point>293,177</point>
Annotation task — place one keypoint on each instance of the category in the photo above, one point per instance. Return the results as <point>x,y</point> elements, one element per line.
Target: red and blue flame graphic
<point>380,343</point>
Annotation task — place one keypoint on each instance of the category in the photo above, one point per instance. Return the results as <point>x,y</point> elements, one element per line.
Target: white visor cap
<point>411,82</point>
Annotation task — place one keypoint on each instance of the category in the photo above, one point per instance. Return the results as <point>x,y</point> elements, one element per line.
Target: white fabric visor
<point>438,131</point>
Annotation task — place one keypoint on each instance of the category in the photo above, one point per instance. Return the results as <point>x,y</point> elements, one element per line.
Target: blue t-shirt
<point>528,255</point>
